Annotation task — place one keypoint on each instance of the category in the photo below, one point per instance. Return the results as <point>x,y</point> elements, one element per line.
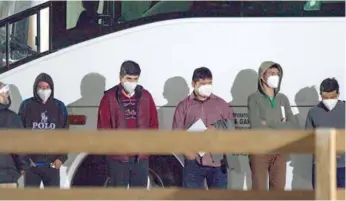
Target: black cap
<point>130,68</point>
<point>329,85</point>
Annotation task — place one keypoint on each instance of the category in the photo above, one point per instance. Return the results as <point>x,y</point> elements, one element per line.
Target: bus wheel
<point>154,180</point>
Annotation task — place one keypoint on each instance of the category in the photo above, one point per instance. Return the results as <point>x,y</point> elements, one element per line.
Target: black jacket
<point>11,164</point>
<point>44,116</point>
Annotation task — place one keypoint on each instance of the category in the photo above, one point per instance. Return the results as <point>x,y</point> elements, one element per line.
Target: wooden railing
<point>324,143</point>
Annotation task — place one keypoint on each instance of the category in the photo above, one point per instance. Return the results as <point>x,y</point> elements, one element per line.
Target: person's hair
<point>130,68</point>
<point>274,66</point>
<point>329,85</point>
<point>201,73</point>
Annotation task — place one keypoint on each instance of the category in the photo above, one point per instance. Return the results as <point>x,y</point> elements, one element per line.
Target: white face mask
<point>44,94</point>
<point>205,90</point>
<point>130,87</point>
<point>273,81</point>
<point>4,100</point>
<point>330,103</point>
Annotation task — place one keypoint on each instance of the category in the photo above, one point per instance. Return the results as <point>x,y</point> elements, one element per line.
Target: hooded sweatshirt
<point>321,117</point>
<point>262,107</point>
<point>11,164</point>
<point>49,116</point>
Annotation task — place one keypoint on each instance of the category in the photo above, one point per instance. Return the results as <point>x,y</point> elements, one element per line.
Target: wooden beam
<point>340,141</point>
<point>156,141</point>
<point>154,194</point>
<point>325,164</point>
<point>340,194</point>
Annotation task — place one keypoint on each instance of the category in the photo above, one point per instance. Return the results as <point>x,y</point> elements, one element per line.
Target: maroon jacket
<point>111,113</point>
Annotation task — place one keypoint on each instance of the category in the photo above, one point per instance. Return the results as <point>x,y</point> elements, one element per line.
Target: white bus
<point>82,44</point>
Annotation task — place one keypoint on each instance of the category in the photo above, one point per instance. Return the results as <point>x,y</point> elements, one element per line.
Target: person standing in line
<point>44,112</point>
<point>269,109</point>
<point>215,113</point>
<point>329,113</point>
<point>128,106</point>
<point>11,165</point>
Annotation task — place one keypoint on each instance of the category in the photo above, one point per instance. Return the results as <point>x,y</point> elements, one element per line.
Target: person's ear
<point>263,78</point>
<point>193,84</point>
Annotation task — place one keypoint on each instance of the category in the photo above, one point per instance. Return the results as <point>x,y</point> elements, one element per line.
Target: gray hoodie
<point>261,107</point>
<point>320,117</point>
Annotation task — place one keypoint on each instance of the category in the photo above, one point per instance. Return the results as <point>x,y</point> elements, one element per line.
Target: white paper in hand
<point>197,127</point>
<point>201,153</point>
<point>283,113</point>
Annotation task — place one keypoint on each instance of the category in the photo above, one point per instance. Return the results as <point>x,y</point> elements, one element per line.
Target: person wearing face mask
<point>128,106</point>
<point>329,113</point>
<point>269,109</point>
<point>203,105</point>
<point>44,112</point>
<point>11,165</point>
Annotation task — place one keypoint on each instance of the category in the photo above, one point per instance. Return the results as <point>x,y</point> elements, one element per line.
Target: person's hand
<point>338,157</point>
<point>22,172</point>
<point>32,164</point>
<point>57,164</point>
<point>264,122</point>
<point>190,156</point>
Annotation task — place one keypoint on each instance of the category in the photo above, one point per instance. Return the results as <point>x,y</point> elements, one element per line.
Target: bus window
<point>132,10</point>
<point>168,7</point>
<point>88,19</point>
<point>77,21</point>
<point>143,12</point>
<point>81,11</point>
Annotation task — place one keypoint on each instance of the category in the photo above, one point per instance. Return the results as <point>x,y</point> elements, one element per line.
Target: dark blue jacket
<point>51,115</point>
<point>11,164</point>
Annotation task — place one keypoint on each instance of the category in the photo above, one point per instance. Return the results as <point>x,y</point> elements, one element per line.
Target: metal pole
<point>7,43</point>
<point>50,26</point>
<point>38,30</point>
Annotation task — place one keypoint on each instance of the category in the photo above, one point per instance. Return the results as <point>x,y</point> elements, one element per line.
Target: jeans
<point>195,175</point>
<point>340,177</point>
<point>48,175</point>
<point>133,173</point>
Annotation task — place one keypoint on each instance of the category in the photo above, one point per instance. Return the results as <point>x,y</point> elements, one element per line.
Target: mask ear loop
<point>263,80</point>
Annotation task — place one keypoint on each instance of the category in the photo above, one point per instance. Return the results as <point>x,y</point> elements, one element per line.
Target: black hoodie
<point>38,116</point>
<point>11,164</point>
